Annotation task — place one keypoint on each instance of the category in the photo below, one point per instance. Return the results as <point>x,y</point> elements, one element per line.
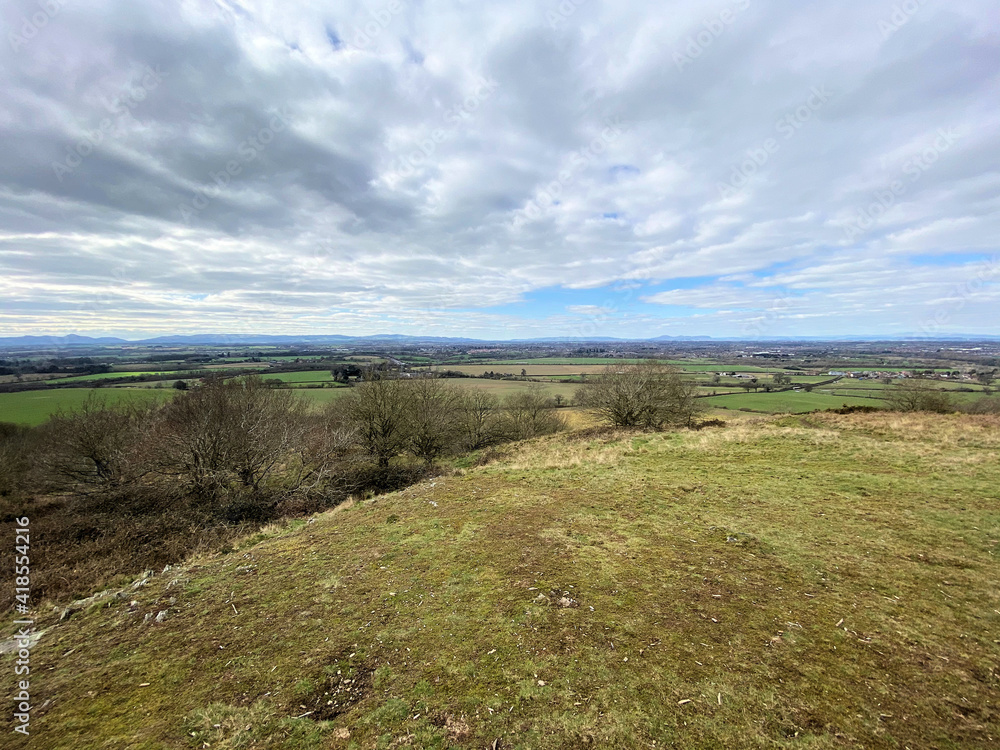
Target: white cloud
<point>402,190</point>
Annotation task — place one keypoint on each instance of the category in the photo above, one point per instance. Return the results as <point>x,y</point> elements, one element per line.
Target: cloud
<point>363,168</point>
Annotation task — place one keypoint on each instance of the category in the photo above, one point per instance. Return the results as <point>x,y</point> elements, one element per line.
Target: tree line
<point>243,435</point>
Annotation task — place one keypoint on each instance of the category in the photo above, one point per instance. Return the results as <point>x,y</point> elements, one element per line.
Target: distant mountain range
<point>241,339</point>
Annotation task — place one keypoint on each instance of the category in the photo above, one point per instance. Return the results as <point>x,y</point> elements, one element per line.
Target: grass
<point>539,370</point>
<point>34,407</point>
<point>503,388</point>
<point>797,582</point>
<point>604,361</point>
<point>322,396</point>
<point>114,375</point>
<point>790,402</point>
<point>309,376</point>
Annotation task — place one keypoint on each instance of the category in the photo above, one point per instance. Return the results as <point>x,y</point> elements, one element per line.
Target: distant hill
<point>69,340</point>
<point>249,339</point>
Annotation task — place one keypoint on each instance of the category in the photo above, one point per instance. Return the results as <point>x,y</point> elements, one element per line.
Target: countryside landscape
<point>537,544</point>
<point>523,375</point>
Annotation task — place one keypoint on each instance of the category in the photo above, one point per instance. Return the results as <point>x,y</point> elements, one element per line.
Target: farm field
<point>790,402</point>
<point>34,407</point>
<point>500,388</point>
<point>553,370</point>
<point>778,583</point>
<point>320,397</point>
<point>492,364</point>
<point>309,376</point>
<point>538,368</point>
<point>113,376</point>
<point>503,387</point>
<point>729,368</point>
<point>238,366</point>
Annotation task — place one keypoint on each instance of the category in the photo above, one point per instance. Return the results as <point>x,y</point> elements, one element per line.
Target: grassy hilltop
<point>820,581</point>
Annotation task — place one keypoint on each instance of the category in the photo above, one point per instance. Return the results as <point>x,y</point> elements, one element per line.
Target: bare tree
<point>915,397</point>
<point>529,413</point>
<point>646,394</point>
<point>479,418</point>
<point>15,459</point>
<point>99,443</point>
<point>432,417</point>
<point>377,409</point>
<point>231,430</point>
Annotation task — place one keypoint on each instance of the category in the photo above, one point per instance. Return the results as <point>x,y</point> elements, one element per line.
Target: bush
<point>909,397</point>
<point>985,405</point>
<point>15,462</point>
<point>229,433</point>
<point>100,445</point>
<point>647,394</point>
<point>528,414</point>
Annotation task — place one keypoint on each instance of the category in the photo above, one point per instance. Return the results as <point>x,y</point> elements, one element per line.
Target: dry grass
<point>817,582</point>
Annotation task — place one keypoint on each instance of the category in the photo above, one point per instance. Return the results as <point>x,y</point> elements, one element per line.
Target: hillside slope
<point>807,582</point>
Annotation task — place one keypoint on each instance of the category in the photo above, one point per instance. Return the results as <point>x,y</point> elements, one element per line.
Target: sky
<point>744,168</point>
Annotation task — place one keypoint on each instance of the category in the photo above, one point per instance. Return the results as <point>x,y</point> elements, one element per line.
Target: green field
<point>549,361</point>
<point>729,368</point>
<point>114,375</point>
<point>34,407</point>
<point>309,376</point>
<point>790,402</point>
<point>321,396</point>
<point>304,358</point>
<point>797,583</point>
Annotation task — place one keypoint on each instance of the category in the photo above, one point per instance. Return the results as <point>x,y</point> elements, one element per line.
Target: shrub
<point>99,445</point>
<point>528,414</point>
<point>229,432</point>
<point>914,397</point>
<point>646,394</point>
<point>15,460</point>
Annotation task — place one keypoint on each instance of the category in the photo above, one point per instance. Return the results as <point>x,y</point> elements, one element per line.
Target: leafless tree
<point>15,459</point>
<point>916,397</point>
<point>479,420</point>
<point>238,429</point>
<point>529,413</point>
<point>646,394</point>
<point>432,417</point>
<point>100,443</point>
<point>377,409</point>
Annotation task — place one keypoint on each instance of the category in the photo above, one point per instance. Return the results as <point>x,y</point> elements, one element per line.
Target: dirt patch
<point>335,690</point>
